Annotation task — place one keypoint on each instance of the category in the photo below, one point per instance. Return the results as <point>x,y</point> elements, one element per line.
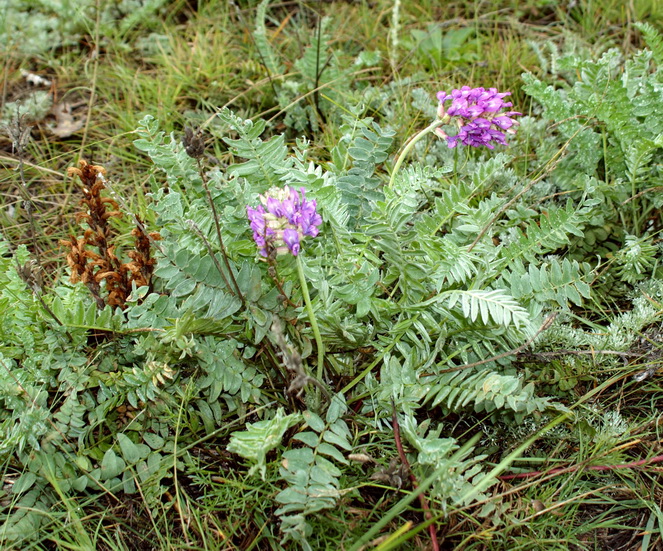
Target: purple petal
<point>291,239</point>
<point>504,122</point>
<point>310,226</point>
<point>485,107</point>
<point>257,219</point>
<point>493,105</point>
<point>474,111</point>
<point>274,206</point>
<point>478,133</point>
<point>289,217</point>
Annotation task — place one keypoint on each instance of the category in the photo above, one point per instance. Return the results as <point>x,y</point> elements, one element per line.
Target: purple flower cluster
<point>282,221</point>
<point>477,113</point>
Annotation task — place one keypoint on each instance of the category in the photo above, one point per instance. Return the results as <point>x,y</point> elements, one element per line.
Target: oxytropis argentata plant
<point>477,113</point>
<point>279,225</point>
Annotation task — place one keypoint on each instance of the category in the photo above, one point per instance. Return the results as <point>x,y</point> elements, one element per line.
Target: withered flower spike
<point>133,267</point>
<point>92,259</point>
<point>116,298</point>
<point>96,259</point>
<point>108,276</point>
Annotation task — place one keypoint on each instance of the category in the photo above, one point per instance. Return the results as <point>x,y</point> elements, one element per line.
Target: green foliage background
<point>486,299</point>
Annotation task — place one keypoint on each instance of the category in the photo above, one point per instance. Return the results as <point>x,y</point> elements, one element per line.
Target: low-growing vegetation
<point>331,275</point>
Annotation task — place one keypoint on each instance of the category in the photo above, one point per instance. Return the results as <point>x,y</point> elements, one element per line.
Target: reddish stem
<point>573,468</point>
<point>413,479</point>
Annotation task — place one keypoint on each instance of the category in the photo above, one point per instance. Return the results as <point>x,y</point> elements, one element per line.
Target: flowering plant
<point>282,221</point>
<point>279,225</point>
<point>476,112</point>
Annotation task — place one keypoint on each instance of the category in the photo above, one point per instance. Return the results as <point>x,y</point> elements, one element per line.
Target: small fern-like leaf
<point>547,234</point>
<point>494,305</point>
<point>168,155</point>
<point>25,517</point>
<point>311,472</point>
<point>459,471</point>
<point>260,437</point>
<point>485,391</point>
<point>365,144</point>
<point>263,158</point>
<point>197,281</point>
<point>557,281</point>
<point>653,39</point>
<point>265,50</point>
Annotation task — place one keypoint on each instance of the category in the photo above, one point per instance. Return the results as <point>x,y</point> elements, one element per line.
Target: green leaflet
<point>261,437</point>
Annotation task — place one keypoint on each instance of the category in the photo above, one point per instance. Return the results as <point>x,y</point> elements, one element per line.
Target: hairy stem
<point>311,317</point>
<point>408,147</point>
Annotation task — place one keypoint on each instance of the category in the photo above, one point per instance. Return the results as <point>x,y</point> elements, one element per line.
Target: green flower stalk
<point>311,317</point>
<point>409,145</point>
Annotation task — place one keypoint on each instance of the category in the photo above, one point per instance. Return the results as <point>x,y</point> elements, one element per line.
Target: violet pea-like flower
<point>283,220</point>
<point>477,133</point>
<point>479,115</point>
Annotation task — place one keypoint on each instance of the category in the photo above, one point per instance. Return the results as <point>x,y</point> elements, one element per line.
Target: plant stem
<point>413,479</point>
<point>311,317</point>
<point>408,147</point>
<point>215,217</point>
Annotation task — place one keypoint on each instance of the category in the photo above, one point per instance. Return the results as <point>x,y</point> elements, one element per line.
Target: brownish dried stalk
<point>92,258</point>
<point>413,479</point>
<point>142,264</point>
<point>19,133</point>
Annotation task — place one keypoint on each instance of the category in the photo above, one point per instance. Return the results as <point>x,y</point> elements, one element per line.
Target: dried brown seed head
<point>193,143</point>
